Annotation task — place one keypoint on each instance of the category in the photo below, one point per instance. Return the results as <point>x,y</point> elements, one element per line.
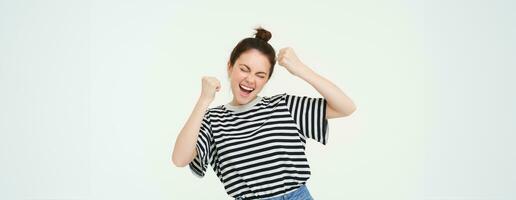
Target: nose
<point>250,79</point>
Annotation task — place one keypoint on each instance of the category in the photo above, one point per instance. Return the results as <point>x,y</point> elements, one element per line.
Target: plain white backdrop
<point>94,93</point>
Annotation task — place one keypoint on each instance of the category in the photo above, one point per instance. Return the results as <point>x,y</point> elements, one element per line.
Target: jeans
<point>300,193</point>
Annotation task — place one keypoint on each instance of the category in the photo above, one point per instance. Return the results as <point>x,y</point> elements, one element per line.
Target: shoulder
<point>214,110</point>
<point>274,99</point>
<point>276,96</point>
<point>284,96</point>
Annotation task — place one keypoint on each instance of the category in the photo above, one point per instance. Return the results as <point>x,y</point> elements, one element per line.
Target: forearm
<point>186,140</point>
<point>335,97</point>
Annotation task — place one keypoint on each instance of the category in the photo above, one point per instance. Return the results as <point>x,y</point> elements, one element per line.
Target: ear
<point>229,69</point>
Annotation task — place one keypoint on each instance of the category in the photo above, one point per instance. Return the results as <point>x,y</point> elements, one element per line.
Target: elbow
<point>178,162</point>
<point>351,111</point>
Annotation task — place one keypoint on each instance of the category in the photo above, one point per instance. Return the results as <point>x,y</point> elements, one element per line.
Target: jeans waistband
<point>300,189</point>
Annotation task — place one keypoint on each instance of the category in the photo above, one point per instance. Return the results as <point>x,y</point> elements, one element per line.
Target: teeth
<point>250,89</point>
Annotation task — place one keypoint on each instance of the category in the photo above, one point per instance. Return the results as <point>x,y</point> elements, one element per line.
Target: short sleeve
<point>204,148</point>
<point>309,113</point>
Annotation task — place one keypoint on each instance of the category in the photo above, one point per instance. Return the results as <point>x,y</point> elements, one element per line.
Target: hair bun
<point>262,34</point>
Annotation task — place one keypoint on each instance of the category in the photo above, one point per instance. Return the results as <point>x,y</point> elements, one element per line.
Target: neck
<point>235,103</point>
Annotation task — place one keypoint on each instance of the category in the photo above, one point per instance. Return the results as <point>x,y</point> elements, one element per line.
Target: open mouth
<point>245,90</point>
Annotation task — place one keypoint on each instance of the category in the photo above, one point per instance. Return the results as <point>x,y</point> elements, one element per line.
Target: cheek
<point>236,79</point>
<point>236,74</point>
<point>261,83</point>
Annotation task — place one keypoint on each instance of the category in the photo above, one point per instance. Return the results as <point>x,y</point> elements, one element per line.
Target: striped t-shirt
<point>257,150</point>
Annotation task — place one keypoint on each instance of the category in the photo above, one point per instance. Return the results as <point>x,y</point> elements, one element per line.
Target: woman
<point>256,144</point>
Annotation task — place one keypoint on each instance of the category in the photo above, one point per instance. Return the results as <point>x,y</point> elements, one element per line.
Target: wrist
<point>304,71</point>
<point>203,101</point>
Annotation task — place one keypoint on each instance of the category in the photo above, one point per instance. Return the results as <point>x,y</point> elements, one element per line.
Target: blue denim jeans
<point>300,193</point>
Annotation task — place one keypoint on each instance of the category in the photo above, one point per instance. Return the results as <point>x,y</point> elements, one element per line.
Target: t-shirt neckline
<point>244,107</point>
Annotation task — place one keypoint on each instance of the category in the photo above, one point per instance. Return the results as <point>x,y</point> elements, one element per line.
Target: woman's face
<point>248,75</point>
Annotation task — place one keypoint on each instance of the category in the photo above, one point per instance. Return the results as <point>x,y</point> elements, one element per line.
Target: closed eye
<point>246,69</point>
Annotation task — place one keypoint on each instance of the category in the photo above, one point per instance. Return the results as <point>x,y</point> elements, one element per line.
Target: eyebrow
<point>250,68</point>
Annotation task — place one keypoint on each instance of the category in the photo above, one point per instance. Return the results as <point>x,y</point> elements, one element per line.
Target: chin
<point>243,100</point>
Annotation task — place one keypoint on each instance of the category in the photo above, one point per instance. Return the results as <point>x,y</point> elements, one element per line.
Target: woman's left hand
<point>288,59</point>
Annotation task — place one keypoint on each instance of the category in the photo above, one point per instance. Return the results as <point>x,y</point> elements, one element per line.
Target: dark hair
<point>260,43</point>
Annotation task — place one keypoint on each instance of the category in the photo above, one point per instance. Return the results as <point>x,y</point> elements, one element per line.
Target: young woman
<point>255,144</point>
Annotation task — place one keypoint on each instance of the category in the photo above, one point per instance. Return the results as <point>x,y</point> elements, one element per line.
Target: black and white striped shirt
<point>258,150</point>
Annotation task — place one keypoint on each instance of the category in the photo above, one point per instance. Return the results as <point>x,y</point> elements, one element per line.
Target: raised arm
<point>184,148</point>
<point>339,104</point>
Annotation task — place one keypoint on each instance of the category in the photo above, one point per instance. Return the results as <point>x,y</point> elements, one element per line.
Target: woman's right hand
<point>210,85</point>
<point>184,149</point>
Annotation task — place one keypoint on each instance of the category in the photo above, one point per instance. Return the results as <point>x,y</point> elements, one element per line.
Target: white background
<point>94,93</point>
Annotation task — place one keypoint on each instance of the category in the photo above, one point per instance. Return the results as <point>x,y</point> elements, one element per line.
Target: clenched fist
<point>288,59</point>
<point>210,85</point>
